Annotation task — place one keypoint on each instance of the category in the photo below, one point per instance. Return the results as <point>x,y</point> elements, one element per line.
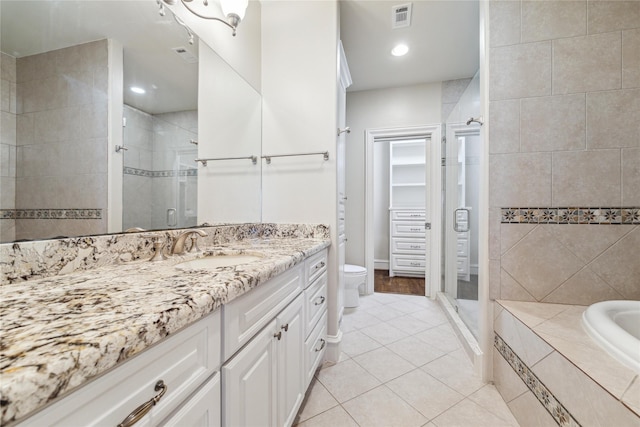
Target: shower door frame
<point>433,134</point>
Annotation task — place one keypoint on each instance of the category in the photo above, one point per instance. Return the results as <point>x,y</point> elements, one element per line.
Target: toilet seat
<point>354,270</point>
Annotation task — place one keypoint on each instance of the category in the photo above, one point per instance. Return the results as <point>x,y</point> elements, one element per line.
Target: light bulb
<point>400,50</point>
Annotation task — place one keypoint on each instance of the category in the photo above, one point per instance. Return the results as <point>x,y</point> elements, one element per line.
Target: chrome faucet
<point>178,247</point>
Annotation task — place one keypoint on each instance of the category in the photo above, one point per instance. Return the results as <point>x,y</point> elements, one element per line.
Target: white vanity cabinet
<point>265,381</point>
<point>187,363</point>
<point>247,364</point>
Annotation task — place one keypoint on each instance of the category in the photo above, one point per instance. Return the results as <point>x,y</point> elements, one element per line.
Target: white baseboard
<point>381,264</point>
<point>334,348</point>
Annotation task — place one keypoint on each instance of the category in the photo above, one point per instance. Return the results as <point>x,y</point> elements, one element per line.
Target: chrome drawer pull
<point>285,327</point>
<point>321,301</point>
<point>321,346</point>
<point>143,409</point>
<point>416,229</point>
<point>320,265</point>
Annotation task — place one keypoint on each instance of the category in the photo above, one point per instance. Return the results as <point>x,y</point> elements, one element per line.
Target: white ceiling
<point>443,40</point>
<point>36,26</point>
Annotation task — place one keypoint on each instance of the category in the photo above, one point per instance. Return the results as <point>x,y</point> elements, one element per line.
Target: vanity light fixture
<point>400,50</point>
<point>139,90</point>
<point>233,10</point>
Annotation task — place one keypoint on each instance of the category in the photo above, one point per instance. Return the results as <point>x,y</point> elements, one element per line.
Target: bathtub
<point>615,326</point>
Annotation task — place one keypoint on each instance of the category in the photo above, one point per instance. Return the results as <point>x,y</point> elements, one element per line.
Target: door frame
<point>433,153</point>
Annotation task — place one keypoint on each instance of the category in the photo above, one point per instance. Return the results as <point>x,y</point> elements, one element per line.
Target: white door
<point>249,382</point>
<point>291,369</point>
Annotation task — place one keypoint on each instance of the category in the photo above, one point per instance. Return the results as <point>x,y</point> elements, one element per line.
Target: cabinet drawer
<point>315,265</point>
<point>462,265</point>
<point>408,263</point>
<point>246,315</point>
<point>462,247</point>
<point>407,229</point>
<point>417,215</point>
<point>183,361</point>
<point>202,409</point>
<point>315,348</point>
<point>408,246</point>
<point>315,302</point>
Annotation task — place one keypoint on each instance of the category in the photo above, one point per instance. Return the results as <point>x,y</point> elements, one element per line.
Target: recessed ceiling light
<point>400,50</point>
<point>136,89</point>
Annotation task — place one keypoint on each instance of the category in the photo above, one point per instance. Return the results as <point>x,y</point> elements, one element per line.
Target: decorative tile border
<point>160,174</point>
<point>540,391</point>
<point>50,213</point>
<point>606,216</point>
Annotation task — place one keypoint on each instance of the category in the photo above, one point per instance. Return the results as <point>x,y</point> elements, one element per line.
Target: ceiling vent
<point>401,16</point>
<point>185,55</point>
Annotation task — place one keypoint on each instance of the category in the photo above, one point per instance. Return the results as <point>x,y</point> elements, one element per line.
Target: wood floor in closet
<point>397,285</point>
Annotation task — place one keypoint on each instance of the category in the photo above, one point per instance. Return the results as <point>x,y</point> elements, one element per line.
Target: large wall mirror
<point>100,102</point>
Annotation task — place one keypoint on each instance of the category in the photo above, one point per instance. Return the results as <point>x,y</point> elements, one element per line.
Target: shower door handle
<point>461,220</point>
<point>172,217</point>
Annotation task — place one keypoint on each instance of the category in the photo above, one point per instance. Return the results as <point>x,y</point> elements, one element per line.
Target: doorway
<point>400,197</point>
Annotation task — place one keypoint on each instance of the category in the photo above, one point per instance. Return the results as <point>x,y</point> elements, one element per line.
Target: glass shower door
<point>461,209</point>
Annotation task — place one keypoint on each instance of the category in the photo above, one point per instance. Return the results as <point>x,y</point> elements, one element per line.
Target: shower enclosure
<point>461,151</point>
<point>160,173</point>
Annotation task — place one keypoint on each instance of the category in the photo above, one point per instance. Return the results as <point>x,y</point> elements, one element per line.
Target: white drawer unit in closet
<point>407,229</point>
<point>407,215</point>
<point>403,245</point>
<point>409,263</point>
<point>407,243</point>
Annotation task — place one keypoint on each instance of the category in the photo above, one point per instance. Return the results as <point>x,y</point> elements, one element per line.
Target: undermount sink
<point>215,261</point>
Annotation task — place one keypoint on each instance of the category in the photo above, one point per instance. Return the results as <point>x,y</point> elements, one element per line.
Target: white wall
<point>229,125</point>
<point>299,78</point>
<point>386,108</point>
<point>242,52</point>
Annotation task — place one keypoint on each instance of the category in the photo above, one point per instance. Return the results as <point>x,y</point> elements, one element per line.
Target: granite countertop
<point>58,332</point>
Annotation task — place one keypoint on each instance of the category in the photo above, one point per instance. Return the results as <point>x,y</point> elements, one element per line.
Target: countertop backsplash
<point>45,258</point>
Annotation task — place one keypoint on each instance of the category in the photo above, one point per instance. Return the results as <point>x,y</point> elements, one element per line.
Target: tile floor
<point>403,366</point>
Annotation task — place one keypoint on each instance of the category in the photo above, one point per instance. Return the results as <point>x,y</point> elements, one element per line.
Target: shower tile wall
<point>60,144</point>
<point>8,110</point>
<point>565,132</point>
<point>154,181</point>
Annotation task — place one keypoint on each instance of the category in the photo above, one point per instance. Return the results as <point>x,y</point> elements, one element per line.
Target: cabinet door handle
<point>278,335</point>
<point>285,327</point>
<point>143,409</point>
<point>321,301</point>
<point>321,345</point>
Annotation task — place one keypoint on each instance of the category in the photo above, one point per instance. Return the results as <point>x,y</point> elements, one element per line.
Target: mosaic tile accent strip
<point>540,391</point>
<point>160,174</point>
<point>602,216</point>
<point>50,213</point>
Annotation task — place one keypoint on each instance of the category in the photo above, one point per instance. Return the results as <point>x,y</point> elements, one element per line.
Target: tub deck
<point>550,340</point>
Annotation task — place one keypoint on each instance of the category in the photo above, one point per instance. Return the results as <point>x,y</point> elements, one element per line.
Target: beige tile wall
<point>564,131</point>
<point>61,134</point>
<point>8,106</point>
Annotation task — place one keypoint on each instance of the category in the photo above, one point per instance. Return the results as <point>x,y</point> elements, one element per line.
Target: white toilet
<point>354,276</point>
